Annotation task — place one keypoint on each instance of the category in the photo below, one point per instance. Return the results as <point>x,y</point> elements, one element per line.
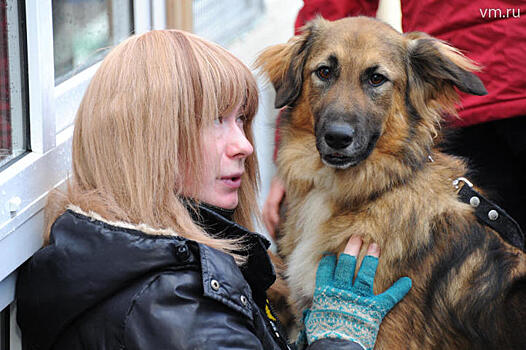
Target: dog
<point>358,152</point>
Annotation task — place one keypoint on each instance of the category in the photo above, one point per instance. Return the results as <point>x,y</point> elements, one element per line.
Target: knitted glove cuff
<point>357,319</point>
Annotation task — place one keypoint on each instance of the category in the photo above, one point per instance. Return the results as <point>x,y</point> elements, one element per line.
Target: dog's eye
<point>377,79</point>
<point>324,73</point>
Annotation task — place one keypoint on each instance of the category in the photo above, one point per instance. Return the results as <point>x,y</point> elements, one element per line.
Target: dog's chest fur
<point>316,224</point>
<point>305,248</point>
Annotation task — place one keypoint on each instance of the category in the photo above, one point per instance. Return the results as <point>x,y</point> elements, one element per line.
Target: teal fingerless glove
<point>346,311</point>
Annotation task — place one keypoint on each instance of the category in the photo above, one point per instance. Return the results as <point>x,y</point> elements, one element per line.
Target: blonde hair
<point>137,132</point>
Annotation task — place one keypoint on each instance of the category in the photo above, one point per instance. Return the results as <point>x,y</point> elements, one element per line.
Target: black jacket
<point>103,286</point>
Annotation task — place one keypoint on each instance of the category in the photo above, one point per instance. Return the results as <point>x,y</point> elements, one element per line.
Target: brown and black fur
<point>390,185</point>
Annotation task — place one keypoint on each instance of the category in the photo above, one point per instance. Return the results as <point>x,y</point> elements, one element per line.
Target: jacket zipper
<point>276,326</point>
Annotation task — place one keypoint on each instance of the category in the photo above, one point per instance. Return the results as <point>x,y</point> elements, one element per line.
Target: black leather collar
<point>491,214</point>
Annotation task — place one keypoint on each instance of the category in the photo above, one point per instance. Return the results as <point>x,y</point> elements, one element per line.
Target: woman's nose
<point>238,144</point>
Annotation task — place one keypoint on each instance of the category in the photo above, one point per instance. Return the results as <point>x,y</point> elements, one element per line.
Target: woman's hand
<point>271,206</point>
<point>345,310</point>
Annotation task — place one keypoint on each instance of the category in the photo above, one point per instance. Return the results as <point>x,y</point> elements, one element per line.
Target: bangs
<point>225,83</point>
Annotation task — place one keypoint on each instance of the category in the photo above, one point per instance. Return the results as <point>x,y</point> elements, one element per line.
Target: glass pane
<point>84,31</point>
<point>13,138</point>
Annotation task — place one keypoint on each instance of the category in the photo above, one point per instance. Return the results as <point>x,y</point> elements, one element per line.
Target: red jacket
<point>497,43</point>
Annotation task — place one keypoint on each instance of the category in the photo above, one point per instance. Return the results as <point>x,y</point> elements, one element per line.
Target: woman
<point>146,251</point>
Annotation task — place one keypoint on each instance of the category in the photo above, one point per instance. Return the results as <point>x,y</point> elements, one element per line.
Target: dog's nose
<point>339,136</point>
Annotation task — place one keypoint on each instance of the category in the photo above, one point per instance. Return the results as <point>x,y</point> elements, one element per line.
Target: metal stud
<point>493,215</point>
<point>474,201</point>
<point>214,284</point>
<point>244,300</point>
<point>183,252</point>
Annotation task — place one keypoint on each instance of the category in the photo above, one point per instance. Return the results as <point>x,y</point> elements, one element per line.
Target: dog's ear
<point>284,64</point>
<point>436,64</point>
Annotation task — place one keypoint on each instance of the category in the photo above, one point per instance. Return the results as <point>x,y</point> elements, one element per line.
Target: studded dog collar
<point>490,214</point>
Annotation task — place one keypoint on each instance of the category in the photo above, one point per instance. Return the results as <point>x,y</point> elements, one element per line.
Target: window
<point>84,31</point>
<point>13,123</point>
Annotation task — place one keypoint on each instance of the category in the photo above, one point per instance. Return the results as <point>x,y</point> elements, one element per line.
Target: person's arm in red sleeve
<point>333,10</point>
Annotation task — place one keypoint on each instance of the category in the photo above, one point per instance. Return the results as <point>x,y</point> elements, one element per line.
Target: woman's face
<point>225,149</point>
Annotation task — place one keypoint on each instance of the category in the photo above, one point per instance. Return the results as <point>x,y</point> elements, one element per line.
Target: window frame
<point>18,121</point>
<point>25,183</point>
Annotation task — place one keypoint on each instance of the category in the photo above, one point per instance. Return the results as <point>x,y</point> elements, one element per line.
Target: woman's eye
<point>241,119</point>
<point>218,120</point>
<point>377,79</point>
<point>324,73</point>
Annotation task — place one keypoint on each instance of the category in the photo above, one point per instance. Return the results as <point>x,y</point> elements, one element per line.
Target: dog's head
<point>359,80</point>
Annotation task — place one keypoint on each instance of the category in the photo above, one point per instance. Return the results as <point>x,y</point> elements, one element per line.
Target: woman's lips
<point>231,181</point>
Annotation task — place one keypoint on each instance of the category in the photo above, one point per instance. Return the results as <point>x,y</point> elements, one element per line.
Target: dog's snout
<point>339,136</point>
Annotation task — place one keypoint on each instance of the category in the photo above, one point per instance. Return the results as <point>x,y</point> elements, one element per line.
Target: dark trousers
<point>496,155</point>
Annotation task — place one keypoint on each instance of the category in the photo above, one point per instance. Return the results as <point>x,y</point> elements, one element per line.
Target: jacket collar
<point>258,271</point>
<point>218,222</point>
